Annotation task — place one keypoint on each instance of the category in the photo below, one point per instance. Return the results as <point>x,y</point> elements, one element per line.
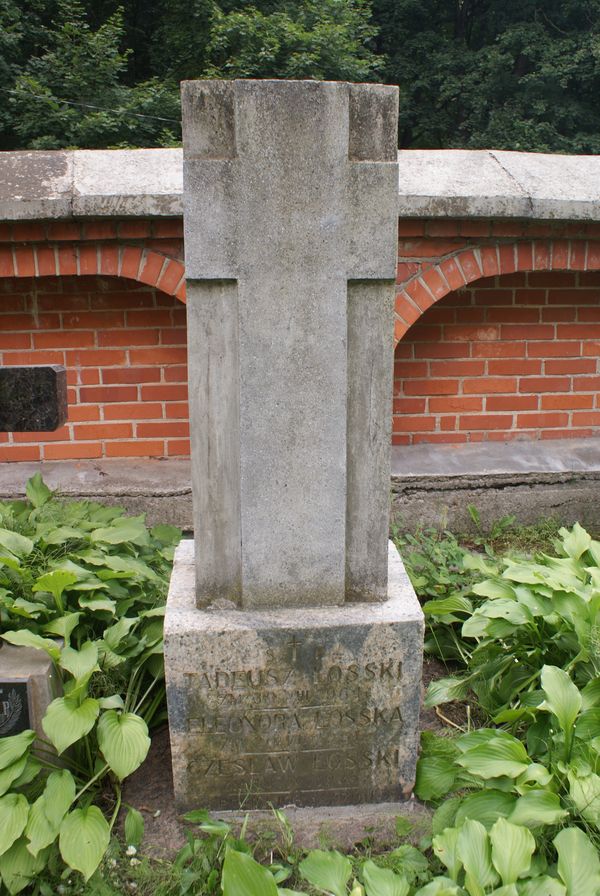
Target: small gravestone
<point>32,399</point>
<point>293,638</point>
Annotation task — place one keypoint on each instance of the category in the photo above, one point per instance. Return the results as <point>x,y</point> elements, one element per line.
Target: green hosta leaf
<point>536,808</point>
<point>243,876</point>
<point>123,529</point>
<point>584,790</point>
<point>63,626</point>
<point>37,491</point>
<point>29,639</point>
<point>485,806</point>
<point>576,542</point>
<point>473,850</point>
<point>508,890</point>
<point>542,886</point>
<point>97,604</point>
<point>80,663</point>
<point>512,849</point>
<point>494,588</point>
<point>383,881</point>
<point>456,603</point>
<point>588,724</point>
<point>440,886</point>
<point>578,863</point>
<point>436,776</point>
<point>84,838</point>
<point>66,722</point>
<point>134,827</point>
<point>562,696</point>
<point>40,831</point>
<point>123,739</point>
<point>117,632</point>
<point>12,773</point>
<point>444,690</point>
<point>14,810</point>
<point>15,747</point>
<point>55,582</point>
<point>30,771</point>
<point>534,774</point>
<point>15,544</point>
<point>59,794</point>
<point>327,871</point>
<point>114,702</point>
<point>496,758</point>
<point>444,816</point>
<point>445,846</point>
<point>19,868</point>
<point>408,861</point>
<point>509,610</point>
<point>62,534</point>
<point>590,695</point>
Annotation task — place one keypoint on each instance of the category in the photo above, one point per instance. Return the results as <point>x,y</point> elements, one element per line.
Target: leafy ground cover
<point>513,620</point>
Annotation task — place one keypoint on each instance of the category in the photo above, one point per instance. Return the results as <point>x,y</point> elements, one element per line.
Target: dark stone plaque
<point>33,399</point>
<point>14,708</point>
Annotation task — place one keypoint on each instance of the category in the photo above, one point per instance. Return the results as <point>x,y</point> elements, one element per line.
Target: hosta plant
<point>86,585</point>
<point>524,615</point>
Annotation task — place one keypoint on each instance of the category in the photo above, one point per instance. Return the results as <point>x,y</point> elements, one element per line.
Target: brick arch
<point>437,280</point>
<point>132,262</point>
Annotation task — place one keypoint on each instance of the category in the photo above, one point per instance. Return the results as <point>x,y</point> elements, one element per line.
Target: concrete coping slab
<point>432,183</point>
<point>556,457</point>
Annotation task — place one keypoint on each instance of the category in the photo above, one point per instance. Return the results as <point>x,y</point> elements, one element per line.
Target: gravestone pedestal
<point>293,638</point>
<point>28,685</point>
<point>311,707</point>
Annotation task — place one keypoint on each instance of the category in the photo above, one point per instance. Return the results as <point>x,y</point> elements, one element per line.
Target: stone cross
<point>33,398</point>
<point>290,252</point>
<point>293,639</point>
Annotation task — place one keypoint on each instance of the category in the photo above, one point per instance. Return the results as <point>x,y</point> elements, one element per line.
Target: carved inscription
<point>307,721</point>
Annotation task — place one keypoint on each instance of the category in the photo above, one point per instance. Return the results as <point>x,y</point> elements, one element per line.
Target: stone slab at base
<point>305,706</point>
<point>27,686</point>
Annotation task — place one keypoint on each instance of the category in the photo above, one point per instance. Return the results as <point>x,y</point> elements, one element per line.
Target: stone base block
<point>27,687</point>
<point>306,707</point>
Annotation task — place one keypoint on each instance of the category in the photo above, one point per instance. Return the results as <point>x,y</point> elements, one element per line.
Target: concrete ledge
<point>160,488</point>
<point>432,183</point>
<point>434,484</point>
<point>431,484</point>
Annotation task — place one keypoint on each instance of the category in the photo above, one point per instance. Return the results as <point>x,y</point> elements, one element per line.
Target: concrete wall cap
<point>452,183</point>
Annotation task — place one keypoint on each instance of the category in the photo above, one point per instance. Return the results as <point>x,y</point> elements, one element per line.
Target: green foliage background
<point>517,74</point>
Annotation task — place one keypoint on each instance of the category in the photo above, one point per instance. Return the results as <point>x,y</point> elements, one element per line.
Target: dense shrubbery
<point>521,74</point>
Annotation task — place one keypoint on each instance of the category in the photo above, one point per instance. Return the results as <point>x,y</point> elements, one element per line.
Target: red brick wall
<point>124,346</point>
<point>496,322</point>
<point>508,357</point>
<point>499,331</point>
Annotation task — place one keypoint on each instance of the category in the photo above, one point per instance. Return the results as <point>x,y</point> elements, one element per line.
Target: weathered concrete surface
<point>434,484</point>
<point>160,488</point>
<point>27,686</point>
<point>35,185</point>
<point>289,195</point>
<point>493,184</point>
<point>127,183</point>
<point>313,707</point>
<point>430,483</point>
<point>432,183</point>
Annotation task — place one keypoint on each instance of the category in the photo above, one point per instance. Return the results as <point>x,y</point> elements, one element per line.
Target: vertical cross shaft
<point>290,234</point>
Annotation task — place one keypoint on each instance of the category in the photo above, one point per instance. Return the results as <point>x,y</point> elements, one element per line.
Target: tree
<point>321,39</point>
<point>522,74</point>
<point>73,93</point>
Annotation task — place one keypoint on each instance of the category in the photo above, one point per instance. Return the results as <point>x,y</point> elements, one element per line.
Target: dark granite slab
<point>33,399</point>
